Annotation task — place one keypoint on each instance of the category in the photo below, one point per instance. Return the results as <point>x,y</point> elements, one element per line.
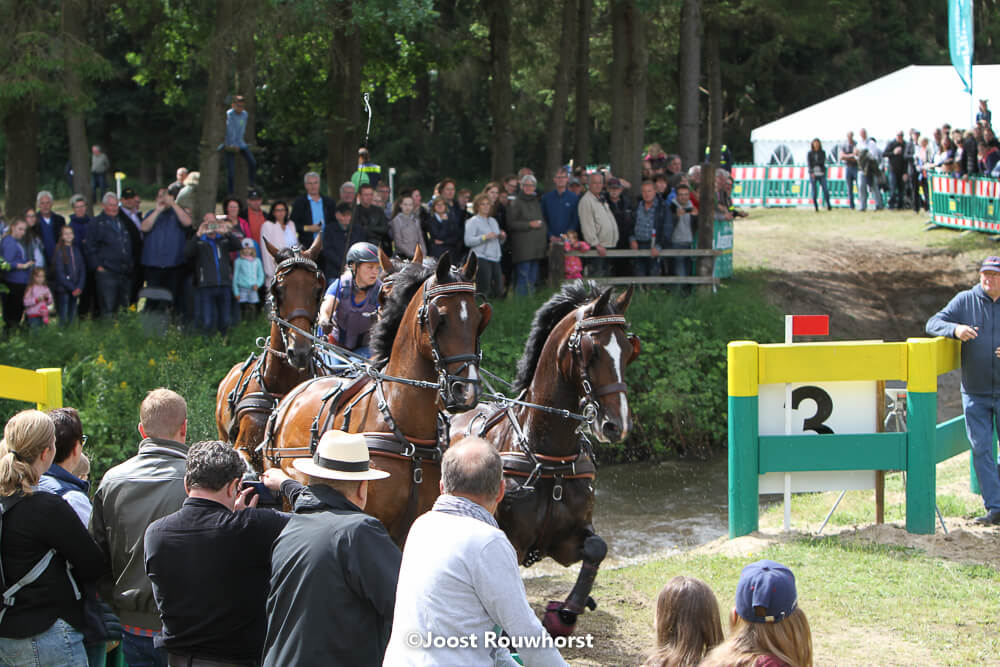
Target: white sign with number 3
<point>819,407</point>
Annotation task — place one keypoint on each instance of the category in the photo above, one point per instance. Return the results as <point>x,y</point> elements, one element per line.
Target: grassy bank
<point>678,384</point>
<point>869,600</point>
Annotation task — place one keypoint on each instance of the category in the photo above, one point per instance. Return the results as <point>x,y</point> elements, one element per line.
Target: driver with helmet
<point>349,306</point>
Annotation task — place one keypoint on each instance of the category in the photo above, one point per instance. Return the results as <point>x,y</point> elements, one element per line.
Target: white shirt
<point>279,238</point>
<point>459,579</point>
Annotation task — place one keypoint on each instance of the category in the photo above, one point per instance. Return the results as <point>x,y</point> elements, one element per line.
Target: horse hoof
<point>558,622</point>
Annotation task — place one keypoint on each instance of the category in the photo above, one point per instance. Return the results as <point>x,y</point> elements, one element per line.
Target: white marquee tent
<point>921,97</point>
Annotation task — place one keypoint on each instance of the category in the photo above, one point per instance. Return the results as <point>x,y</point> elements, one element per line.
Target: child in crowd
<point>462,203</point>
<point>405,231</point>
<point>767,626</point>
<point>687,623</point>
<point>69,274</point>
<point>37,299</point>
<point>248,277</point>
<point>82,469</point>
<point>573,265</point>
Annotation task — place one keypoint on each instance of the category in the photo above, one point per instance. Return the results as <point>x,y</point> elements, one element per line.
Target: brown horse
<point>426,356</point>
<point>574,361</point>
<point>251,390</point>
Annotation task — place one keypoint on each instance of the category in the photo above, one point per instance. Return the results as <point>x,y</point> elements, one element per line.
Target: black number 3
<point>824,408</point>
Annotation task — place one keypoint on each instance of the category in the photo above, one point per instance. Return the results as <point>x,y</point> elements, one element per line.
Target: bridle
<point>581,346</point>
<point>277,290</point>
<point>429,317</point>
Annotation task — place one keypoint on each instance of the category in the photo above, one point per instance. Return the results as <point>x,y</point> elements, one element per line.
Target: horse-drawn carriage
<point>422,390</point>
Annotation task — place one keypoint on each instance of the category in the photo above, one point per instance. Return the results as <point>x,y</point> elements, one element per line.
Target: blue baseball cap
<point>990,264</point>
<point>766,592</point>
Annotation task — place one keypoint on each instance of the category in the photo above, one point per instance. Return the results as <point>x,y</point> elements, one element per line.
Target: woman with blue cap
<point>767,626</point>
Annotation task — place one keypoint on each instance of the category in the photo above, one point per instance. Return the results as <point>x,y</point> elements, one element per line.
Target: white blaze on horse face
<point>472,374</point>
<point>614,351</point>
<point>463,313</point>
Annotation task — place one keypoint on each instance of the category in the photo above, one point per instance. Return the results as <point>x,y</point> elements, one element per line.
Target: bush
<point>677,386</point>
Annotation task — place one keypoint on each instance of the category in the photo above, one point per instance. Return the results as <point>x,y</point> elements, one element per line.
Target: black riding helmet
<point>362,252</point>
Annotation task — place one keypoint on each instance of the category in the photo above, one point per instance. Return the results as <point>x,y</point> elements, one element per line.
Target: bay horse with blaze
<point>574,361</point>
<point>426,354</point>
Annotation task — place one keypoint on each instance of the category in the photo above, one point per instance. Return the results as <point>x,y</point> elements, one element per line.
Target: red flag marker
<point>810,325</point>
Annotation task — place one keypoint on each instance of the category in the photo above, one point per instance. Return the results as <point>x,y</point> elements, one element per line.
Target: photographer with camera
<point>213,276</point>
<point>165,229</point>
<point>210,563</point>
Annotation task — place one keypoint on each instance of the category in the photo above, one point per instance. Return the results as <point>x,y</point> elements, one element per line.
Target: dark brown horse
<point>251,390</point>
<point>574,361</point>
<point>426,356</point>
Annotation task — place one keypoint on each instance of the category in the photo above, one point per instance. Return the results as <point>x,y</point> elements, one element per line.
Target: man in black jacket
<point>210,562</point>
<point>311,211</point>
<point>339,235</point>
<point>334,568</point>
<point>109,254</point>
<point>895,150</point>
<point>372,219</point>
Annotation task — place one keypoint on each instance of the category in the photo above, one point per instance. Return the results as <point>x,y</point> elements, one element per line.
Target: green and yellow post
<point>744,444</point>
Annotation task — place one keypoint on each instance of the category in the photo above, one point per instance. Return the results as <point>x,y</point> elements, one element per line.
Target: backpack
<point>9,592</point>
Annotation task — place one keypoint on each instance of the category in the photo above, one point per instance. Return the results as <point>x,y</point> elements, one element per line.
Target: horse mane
<point>405,284</point>
<point>566,300</point>
<point>283,254</point>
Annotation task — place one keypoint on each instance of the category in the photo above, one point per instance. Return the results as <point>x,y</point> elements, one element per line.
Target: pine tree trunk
<point>20,126</point>
<point>628,104</point>
<point>689,75</point>
<point>555,141</point>
<point>246,82</point>
<point>345,125</point>
<point>501,96</point>
<point>581,143</point>
<point>213,121</point>
<point>74,35</point>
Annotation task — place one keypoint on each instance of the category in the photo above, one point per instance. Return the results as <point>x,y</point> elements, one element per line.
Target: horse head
<point>295,296</point>
<point>451,323</point>
<point>594,351</point>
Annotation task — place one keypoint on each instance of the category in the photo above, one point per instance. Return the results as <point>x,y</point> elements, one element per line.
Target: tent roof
<point>924,97</point>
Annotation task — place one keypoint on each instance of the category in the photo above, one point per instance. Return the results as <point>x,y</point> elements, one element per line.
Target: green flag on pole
<point>960,39</point>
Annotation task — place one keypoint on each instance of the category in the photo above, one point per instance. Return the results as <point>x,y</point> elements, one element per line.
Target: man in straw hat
<point>333,568</point>
<point>973,317</point>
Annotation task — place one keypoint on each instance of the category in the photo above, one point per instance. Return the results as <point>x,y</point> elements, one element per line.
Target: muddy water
<point>645,510</point>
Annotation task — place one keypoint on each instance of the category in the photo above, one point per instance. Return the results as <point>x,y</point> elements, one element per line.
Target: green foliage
<point>677,386</point>
<point>109,368</point>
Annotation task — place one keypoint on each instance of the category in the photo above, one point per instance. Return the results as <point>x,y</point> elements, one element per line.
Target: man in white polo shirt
<point>459,583</point>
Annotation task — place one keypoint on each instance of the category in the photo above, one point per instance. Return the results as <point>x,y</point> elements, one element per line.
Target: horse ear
<point>270,248</point>
<point>624,299</point>
<point>602,302</point>
<point>418,256</point>
<point>315,248</point>
<point>485,314</point>
<point>470,268</point>
<point>443,269</point>
<point>384,261</point>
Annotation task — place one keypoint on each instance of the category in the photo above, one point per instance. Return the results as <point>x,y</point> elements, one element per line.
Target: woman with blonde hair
<point>46,554</point>
<point>767,626</point>
<point>687,623</point>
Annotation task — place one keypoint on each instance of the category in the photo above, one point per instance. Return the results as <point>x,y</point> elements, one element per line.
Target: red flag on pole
<point>810,325</point>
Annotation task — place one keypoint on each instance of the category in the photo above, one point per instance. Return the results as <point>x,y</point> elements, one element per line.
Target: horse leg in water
<point>560,618</point>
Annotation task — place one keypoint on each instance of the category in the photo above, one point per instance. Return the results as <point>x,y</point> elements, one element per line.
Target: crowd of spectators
<point>212,268</point>
<point>178,559</point>
<point>903,165</point>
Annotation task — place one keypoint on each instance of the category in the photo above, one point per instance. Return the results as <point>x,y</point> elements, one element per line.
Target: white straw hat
<point>342,456</point>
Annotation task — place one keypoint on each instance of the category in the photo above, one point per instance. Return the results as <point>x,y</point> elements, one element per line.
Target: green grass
<point>866,604</point>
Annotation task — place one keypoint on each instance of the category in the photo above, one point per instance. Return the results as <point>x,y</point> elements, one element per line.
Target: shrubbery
<point>677,387</point>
